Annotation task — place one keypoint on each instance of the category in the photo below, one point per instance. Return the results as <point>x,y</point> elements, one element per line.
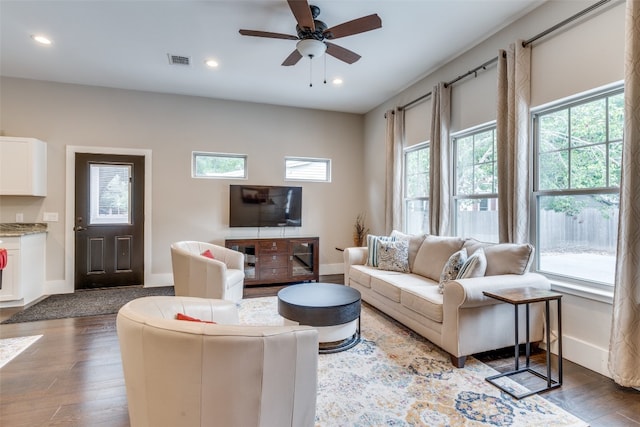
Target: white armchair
<point>196,275</point>
<point>185,373</point>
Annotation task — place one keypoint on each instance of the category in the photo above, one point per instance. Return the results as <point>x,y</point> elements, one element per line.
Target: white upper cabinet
<point>23,167</point>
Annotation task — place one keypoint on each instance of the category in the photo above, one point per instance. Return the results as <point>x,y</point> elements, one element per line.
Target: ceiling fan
<point>313,33</point>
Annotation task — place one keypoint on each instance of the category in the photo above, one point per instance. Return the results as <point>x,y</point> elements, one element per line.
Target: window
<point>577,183</point>
<point>110,193</point>
<point>416,189</point>
<point>307,169</point>
<point>218,165</point>
<point>476,185</point>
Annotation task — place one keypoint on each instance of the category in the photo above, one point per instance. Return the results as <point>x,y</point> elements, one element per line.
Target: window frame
<point>456,197</point>
<point>326,161</point>
<point>425,145</point>
<point>536,193</point>
<point>196,154</point>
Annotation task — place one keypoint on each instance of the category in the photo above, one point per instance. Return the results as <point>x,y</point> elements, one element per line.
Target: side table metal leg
<point>517,343</point>
<point>527,345</point>
<point>559,342</point>
<point>548,331</point>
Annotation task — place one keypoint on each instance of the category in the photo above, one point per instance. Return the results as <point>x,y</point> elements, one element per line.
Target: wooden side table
<point>526,296</point>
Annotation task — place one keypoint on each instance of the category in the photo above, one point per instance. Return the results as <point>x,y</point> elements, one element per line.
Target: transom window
<point>218,165</point>
<point>416,189</point>
<point>476,184</point>
<point>577,183</point>
<point>307,169</point>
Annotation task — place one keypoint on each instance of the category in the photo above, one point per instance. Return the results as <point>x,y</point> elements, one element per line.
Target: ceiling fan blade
<point>302,13</point>
<point>267,34</point>
<point>341,53</point>
<point>292,59</point>
<point>360,25</point>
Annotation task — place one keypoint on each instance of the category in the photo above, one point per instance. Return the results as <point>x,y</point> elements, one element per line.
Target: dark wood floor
<point>72,376</point>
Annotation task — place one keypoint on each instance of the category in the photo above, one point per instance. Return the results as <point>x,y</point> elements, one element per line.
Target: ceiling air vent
<point>179,59</point>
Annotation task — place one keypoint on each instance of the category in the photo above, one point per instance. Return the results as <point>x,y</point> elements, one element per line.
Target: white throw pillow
<point>474,266</point>
<point>393,256</point>
<point>452,268</point>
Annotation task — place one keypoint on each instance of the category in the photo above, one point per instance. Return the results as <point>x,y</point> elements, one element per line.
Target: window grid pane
<point>577,194</point>
<point>416,189</point>
<point>476,198</point>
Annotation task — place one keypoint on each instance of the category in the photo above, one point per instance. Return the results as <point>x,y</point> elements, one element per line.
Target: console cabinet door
<point>278,260</point>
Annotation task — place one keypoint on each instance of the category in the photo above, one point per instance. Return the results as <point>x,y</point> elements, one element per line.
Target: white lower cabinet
<point>23,277</point>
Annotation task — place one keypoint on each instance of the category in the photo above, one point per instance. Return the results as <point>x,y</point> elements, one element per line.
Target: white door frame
<point>69,241</point>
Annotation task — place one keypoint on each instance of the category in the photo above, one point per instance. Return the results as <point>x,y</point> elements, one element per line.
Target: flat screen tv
<point>265,206</point>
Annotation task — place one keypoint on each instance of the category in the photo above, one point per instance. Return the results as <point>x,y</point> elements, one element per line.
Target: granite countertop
<point>18,229</point>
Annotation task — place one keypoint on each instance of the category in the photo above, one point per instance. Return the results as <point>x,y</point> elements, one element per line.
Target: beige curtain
<point>512,140</point>
<point>439,174</point>
<point>624,347</point>
<point>394,151</point>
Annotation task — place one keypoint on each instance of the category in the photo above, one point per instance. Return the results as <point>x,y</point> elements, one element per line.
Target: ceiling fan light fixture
<point>311,47</point>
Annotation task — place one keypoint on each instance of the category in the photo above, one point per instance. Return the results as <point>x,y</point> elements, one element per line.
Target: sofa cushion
<point>508,258</point>
<point>360,274</point>
<point>423,299</point>
<point>474,266</point>
<point>385,288</point>
<point>433,254</point>
<point>394,256</point>
<point>372,247</point>
<point>415,241</point>
<point>452,268</point>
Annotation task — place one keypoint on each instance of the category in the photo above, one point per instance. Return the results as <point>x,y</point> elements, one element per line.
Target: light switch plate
<point>19,217</point>
<point>50,216</point>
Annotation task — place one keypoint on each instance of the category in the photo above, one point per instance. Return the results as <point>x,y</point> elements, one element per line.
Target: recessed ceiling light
<point>41,39</point>
<point>211,63</point>
<point>337,81</point>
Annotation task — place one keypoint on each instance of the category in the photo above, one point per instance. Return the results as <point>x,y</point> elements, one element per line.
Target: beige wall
<point>171,127</point>
<point>583,56</point>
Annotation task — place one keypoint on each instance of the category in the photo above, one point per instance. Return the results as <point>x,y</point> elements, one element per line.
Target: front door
<point>109,220</point>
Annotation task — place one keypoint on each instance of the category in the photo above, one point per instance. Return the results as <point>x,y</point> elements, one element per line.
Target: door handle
<point>78,228</point>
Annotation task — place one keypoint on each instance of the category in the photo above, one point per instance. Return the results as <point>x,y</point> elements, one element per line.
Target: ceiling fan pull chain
<point>325,69</point>
<point>310,70</point>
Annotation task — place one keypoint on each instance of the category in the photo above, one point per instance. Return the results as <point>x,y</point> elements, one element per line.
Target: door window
<point>110,194</point>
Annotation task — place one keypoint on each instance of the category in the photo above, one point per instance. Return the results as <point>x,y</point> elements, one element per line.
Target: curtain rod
<point>524,44</point>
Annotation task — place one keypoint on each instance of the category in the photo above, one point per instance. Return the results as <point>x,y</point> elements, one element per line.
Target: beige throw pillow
<point>434,254</point>
<point>508,258</point>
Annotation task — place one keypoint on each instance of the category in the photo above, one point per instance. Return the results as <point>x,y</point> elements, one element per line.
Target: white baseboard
<point>584,354</point>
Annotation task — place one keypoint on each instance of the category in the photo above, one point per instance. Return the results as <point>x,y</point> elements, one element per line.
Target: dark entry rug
<point>92,302</point>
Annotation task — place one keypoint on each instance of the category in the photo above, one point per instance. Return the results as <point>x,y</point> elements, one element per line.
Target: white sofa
<point>188,373</point>
<point>460,320</point>
<point>196,275</point>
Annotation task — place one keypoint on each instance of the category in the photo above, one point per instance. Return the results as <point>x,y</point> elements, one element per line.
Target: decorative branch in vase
<point>360,230</point>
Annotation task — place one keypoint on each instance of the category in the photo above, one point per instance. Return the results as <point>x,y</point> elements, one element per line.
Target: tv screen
<point>265,206</point>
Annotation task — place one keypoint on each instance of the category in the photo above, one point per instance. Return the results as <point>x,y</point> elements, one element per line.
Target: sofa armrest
<point>465,293</point>
<point>354,256</point>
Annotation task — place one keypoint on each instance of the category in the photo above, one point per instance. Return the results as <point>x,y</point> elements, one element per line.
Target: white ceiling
<point>124,44</point>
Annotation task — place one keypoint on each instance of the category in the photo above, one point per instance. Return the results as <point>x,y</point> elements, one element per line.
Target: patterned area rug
<point>394,377</point>
<point>11,347</point>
